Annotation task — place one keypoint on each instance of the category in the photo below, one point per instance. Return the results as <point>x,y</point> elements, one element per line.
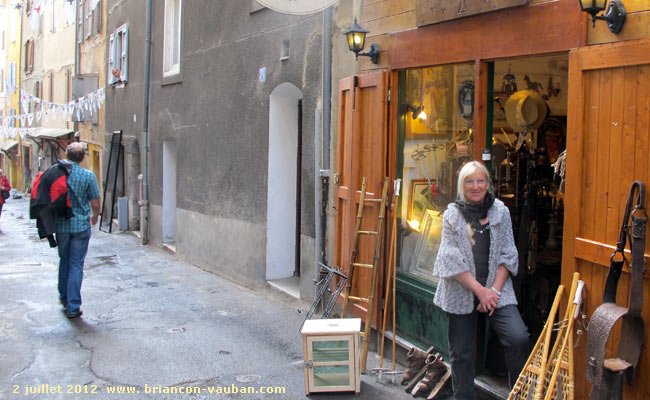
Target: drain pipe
<point>144,204</point>
<point>322,146</point>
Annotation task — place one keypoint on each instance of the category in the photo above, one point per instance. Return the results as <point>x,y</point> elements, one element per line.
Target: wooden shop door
<point>360,151</point>
<point>607,149</point>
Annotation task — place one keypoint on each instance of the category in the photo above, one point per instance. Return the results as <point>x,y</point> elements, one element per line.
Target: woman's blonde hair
<point>467,170</point>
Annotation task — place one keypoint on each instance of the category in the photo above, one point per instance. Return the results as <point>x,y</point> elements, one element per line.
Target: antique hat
<point>525,111</point>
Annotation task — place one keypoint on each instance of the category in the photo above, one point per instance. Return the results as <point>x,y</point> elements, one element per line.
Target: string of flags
<point>81,107</point>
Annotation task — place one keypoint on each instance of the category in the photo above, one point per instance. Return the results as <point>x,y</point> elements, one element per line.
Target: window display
<point>436,120</point>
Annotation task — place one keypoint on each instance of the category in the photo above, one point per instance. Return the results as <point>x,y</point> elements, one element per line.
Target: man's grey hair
<point>75,152</point>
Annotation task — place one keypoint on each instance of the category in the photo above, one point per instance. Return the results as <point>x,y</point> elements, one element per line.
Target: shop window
<point>172,49</point>
<point>435,127</point>
<point>118,56</point>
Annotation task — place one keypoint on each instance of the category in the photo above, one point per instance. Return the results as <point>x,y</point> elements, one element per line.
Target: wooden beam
<point>600,253</point>
<point>544,28</point>
<point>623,54</point>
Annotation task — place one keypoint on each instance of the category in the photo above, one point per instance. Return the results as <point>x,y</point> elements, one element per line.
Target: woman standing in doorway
<point>475,262</point>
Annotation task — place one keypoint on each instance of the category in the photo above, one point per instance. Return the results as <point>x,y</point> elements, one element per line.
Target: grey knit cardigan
<point>455,257</point>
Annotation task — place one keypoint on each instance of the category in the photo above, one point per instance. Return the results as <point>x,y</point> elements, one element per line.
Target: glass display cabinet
<point>331,351</point>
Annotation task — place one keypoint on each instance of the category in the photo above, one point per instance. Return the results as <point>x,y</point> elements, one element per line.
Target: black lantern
<point>356,37</point>
<point>615,15</point>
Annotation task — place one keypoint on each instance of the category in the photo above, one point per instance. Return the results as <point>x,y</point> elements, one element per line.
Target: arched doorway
<point>283,204</point>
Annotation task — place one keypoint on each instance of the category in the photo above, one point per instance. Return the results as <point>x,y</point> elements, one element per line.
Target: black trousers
<point>512,334</point>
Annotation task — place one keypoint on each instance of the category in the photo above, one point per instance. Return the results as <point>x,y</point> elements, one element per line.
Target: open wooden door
<point>607,149</point>
<point>361,151</point>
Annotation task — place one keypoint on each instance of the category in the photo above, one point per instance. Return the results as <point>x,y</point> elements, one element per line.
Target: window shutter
<point>125,54</point>
<point>89,19</point>
<point>98,17</point>
<point>31,55</point>
<point>80,21</point>
<point>111,55</point>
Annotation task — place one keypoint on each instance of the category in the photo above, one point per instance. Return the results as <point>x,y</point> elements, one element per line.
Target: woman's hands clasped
<point>488,300</point>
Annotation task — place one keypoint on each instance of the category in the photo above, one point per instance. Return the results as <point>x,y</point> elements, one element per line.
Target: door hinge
<point>388,95</point>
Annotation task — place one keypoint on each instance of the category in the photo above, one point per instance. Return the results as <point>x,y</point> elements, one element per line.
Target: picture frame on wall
<point>426,249</point>
<point>420,199</point>
<point>431,90</point>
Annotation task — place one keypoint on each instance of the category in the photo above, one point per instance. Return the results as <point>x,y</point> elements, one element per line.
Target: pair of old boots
<point>426,373</point>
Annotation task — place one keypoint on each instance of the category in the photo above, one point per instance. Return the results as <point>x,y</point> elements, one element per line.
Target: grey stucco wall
<point>217,115</point>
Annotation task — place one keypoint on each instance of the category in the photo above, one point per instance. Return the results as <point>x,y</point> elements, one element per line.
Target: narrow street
<point>151,324</point>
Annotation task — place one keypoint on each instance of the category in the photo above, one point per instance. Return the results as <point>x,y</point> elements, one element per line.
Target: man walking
<point>73,234</point>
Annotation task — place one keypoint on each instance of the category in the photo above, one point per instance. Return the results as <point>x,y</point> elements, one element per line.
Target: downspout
<point>144,204</point>
<point>322,145</point>
<point>77,61</point>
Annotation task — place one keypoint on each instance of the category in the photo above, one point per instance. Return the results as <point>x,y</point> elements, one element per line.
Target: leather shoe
<point>76,314</point>
<point>63,302</point>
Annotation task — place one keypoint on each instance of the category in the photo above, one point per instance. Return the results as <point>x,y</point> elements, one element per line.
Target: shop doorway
<point>435,136</point>
<point>283,203</point>
<point>169,193</point>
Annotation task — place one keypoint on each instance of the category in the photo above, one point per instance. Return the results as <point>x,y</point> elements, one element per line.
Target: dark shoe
<point>76,314</point>
<point>64,302</point>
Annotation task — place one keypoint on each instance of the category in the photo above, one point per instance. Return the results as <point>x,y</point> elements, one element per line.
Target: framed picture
<point>430,90</point>
<point>420,199</point>
<point>426,249</point>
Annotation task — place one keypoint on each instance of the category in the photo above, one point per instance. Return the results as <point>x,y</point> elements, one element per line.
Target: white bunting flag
<point>30,119</point>
<point>39,114</point>
<point>46,114</point>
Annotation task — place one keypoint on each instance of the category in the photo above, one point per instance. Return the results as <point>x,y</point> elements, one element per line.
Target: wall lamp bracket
<point>615,15</point>
<point>373,53</point>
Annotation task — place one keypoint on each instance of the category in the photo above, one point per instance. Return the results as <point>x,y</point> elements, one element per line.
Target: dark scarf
<point>475,212</point>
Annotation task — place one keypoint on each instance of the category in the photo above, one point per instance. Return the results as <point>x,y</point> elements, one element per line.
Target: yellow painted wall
<point>13,54</point>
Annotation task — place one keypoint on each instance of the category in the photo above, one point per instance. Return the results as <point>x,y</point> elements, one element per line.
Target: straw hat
<point>525,111</point>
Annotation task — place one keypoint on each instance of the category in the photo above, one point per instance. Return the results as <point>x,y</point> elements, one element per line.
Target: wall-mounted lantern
<point>356,37</point>
<point>615,15</point>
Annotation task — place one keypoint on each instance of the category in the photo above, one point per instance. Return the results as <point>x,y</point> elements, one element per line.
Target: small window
<point>118,55</point>
<point>88,23</point>
<point>29,56</point>
<point>80,22</point>
<point>53,19</point>
<point>171,63</point>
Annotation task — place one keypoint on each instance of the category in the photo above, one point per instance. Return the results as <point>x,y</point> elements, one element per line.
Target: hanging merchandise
<point>607,375</point>
<point>509,85</point>
<point>525,111</point>
<point>466,99</point>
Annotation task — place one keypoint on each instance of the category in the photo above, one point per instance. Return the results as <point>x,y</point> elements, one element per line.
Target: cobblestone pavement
<point>151,323</point>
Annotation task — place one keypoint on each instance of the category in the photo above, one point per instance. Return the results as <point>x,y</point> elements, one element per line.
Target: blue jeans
<point>72,253</point>
<point>512,333</point>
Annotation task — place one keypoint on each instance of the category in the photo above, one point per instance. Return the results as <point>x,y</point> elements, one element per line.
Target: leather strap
<point>607,314</point>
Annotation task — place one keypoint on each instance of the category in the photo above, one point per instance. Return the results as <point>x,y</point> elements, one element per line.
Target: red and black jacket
<point>50,199</point>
